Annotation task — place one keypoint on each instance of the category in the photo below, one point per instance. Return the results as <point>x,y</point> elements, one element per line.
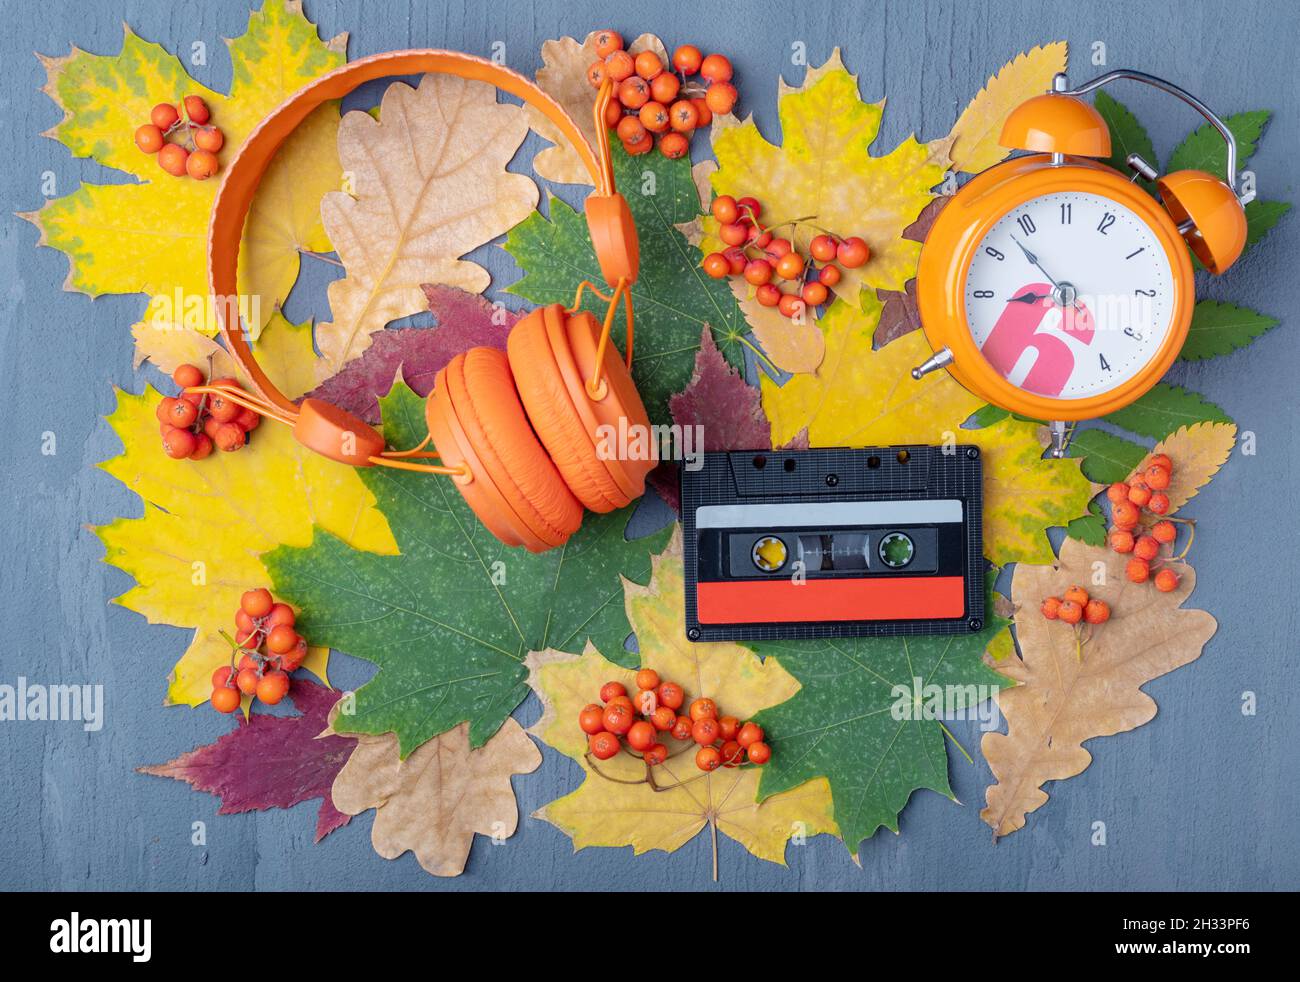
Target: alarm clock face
<point>1069,295</point>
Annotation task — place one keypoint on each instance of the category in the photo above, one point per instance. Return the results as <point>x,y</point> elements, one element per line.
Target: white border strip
<point>822,514</point>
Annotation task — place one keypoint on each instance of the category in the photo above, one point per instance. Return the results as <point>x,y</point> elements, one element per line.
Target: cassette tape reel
<point>833,543</point>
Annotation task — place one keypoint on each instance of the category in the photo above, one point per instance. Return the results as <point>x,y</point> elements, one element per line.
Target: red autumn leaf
<point>727,408</point>
<point>271,761</point>
<point>418,353</point>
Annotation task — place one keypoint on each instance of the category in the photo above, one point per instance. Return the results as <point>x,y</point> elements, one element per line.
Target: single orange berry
<point>674,145</point>
<point>608,42</point>
<point>789,266</point>
<point>663,719</point>
<point>1139,493</point>
<point>1121,540</point>
<point>1161,460</point>
<point>187,375</point>
<point>1157,477</point>
<point>734,233</point>
<point>655,755</point>
<point>725,210</point>
<point>201,164</point>
<point>683,116</point>
<point>1125,514</point>
<point>634,92</point>
<point>1117,492</point>
<point>1138,570</point>
<point>736,257</point>
<point>1164,532</point>
<point>648,65</point>
<point>624,701</point>
<point>822,248</point>
<point>641,736</point>
<point>164,116</point>
<point>1146,547</point>
<point>814,294</point>
<point>759,753</point>
<point>1166,581</point>
<point>610,690</point>
<point>148,138</point>
<point>179,443</point>
<point>705,731</point>
<point>202,446</point>
<point>281,638</point>
<point>591,719</point>
<point>647,678</point>
<point>852,252</point>
<point>828,275</point>
<point>1078,594</point>
<point>643,145</point>
<point>1051,608</point>
<point>733,753</point>
<point>197,110</point>
<point>688,58</point>
<point>1096,612</point>
<point>704,709</point>
<point>229,437</point>
<point>664,88</point>
<point>172,158</point>
<point>758,272</point>
<point>221,676</point>
<point>613,113</point>
<point>728,727</point>
<point>716,68</point>
<point>618,719</point>
<point>629,129</point>
<point>769,295</point>
<point>708,758</point>
<point>257,603</point>
<point>209,138</point>
<point>596,74</point>
<point>1070,612</point>
<point>654,117</point>
<point>225,699</point>
<point>721,98</point>
<point>749,734</point>
<point>246,681</point>
<point>716,265</point>
<point>682,728</point>
<point>619,65</point>
<point>1159,503</point>
<point>602,745</point>
<point>791,305</point>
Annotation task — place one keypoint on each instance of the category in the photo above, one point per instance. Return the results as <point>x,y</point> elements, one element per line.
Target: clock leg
<point>1060,437</point>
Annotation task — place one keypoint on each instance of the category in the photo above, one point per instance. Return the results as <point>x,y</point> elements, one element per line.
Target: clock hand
<point>1028,298</point>
<point>1034,261</point>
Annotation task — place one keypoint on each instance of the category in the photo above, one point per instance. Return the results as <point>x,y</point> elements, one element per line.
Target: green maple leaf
<point>451,620</point>
<point>674,298</point>
<point>1218,328</point>
<point>1107,458</point>
<point>1204,149</point>
<point>1127,135</point>
<point>841,724</point>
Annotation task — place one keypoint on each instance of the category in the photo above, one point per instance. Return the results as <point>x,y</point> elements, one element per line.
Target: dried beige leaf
<point>1197,452</point>
<point>794,347</point>
<point>428,184</point>
<point>1063,700</point>
<point>433,802</point>
<point>563,76</point>
<point>975,134</point>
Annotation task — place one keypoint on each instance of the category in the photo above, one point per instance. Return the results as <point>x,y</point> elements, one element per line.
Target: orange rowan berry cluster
<point>197,154</point>
<point>1128,502</point>
<point>723,741</point>
<point>764,259</point>
<point>652,99</point>
<point>193,423</point>
<point>1076,606</point>
<point>265,650</point>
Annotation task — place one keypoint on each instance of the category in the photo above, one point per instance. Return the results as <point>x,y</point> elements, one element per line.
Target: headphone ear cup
<point>568,438</point>
<point>475,417</point>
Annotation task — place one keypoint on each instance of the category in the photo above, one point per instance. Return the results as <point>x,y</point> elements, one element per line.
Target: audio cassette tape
<point>833,543</point>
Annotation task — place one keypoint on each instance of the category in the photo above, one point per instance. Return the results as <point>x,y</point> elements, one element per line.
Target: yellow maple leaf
<point>603,812</point>
<point>206,523</point>
<point>430,184</point>
<point>823,171</point>
<point>975,135</point>
<point>862,397</point>
<point>151,236</point>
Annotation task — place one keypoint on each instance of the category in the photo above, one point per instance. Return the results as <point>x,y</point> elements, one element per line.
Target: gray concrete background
<point>1203,797</point>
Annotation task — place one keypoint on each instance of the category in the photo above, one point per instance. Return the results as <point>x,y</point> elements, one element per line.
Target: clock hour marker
<point>1135,252</point>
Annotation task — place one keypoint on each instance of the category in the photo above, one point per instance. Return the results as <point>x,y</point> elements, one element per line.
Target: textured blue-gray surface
<point>1204,796</point>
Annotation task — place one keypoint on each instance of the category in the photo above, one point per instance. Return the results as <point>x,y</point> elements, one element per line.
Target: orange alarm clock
<point>1052,285</point>
<point>523,433</point>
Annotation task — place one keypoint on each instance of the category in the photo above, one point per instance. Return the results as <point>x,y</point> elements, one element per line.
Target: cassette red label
<point>833,543</point>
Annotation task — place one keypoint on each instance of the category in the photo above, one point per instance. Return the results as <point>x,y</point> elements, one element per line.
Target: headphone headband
<point>613,234</point>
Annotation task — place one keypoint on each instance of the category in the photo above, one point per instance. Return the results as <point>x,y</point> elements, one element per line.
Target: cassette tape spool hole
<point>769,554</point>
<point>896,549</point>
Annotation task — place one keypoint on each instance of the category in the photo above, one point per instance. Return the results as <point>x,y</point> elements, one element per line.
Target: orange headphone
<point>522,433</point>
